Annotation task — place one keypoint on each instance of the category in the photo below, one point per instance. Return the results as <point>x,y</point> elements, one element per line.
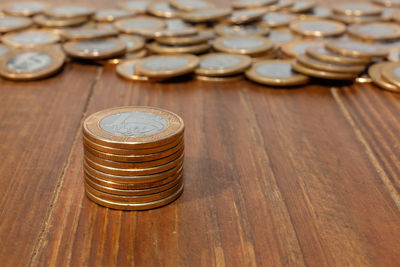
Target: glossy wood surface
<point>273,177</point>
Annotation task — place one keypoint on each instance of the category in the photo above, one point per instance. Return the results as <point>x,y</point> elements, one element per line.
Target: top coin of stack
<point>133,157</point>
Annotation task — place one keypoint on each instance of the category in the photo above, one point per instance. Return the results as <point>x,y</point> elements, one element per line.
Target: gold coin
<point>127,70</point>
<point>134,172</point>
<point>246,15</point>
<point>135,127</point>
<point>30,38</point>
<point>376,31</point>
<point>132,43</point>
<point>31,63</point>
<point>95,48</point>
<point>391,73</point>
<point>10,23</point>
<point>46,21</point>
<point>296,48</point>
<point>162,9</point>
<point>24,8</point>
<point>319,52</point>
<point>357,9</point>
<point>132,192</point>
<point>356,49</point>
<point>302,6</point>
<point>222,64</point>
<point>206,15</point>
<point>135,6</point>
<point>112,14</point>
<point>280,4</point>
<point>140,206</point>
<point>388,3</point>
<point>241,4</point>
<point>142,25</point>
<point>167,66</point>
<point>191,5</point>
<point>375,72</point>
<point>322,74</point>
<point>246,45</point>
<point>201,37</point>
<point>89,33</point>
<point>318,27</point>
<point>278,19</point>
<point>241,30</point>
<point>69,11</point>
<point>275,73</point>
<point>187,49</point>
<point>332,67</point>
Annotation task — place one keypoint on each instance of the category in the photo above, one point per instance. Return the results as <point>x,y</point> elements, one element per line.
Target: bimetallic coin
<point>239,4</point>
<point>206,15</point>
<point>142,25</point>
<point>132,43</point>
<point>233,78</point>
<point>30,38</point>
<point>357,9</point>
<point>296,48</point>
<point>246,45</point>
<point>201,37</point>
<point>136,6</point>
<point>170,50</point>
<point>162,9</point>
<point>334,67</point>
<point>322,74</point>
<point>278,19</point>
<point>69,11</point>
<point>302,6</point>
<point>375,72</point>
<point>31,63</point>
<point>376,31</point>
<point>138,127</point>
<point>46,21</point>
<point>318,27</point>
<point>89,33</point>
<point>241,30</point>
<point>221,64</point>
<point>246,15</point>
<point>391,73</point>
<point>356,49</point>
<point>191,5</point>
<point>95,48</point>
<point>321,53</point>
<point>25,8</point>
<point>9,23</point>
<point>112,14</point>
<point>275,73</point>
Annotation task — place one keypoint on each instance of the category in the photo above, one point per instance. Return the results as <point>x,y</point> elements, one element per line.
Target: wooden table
<point>273,177</point>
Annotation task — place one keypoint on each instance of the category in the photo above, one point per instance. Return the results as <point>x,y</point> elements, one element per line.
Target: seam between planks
<point>371,156</point>
<point>62,176</point>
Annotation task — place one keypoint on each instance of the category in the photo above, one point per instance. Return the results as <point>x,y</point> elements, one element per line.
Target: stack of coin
<point>133,157</point>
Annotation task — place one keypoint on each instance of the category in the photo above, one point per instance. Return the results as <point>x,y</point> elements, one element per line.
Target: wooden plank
<point>38,123</point>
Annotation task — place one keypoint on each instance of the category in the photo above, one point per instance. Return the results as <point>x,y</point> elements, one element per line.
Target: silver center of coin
<point>317,26</point>
<point>301,4</point>
<point>128,41</point>
<point>275,17</point>
<point>207,13</point>
<point>140,24</point>
<point>32,38</point>
<point>301,48</point>
<point>193,4</point>
<point>375,30</point>
<point>245,13</point>
<point>242,30</point>
<point>10,21</point>
<point>133,124</point>
<point>88,31</point>
<point>70,10</point>
<point>111,13</point>
<point>280,36</point>
<point>219,62</point>
<point>169,63</point>
<point>357,46</point>
<point>137,5</point>
<point>242,43</point>
<point>396,72</point>
<point>358,7</point>
<point>91,46</point>
<point>131,69</point>
<point>3,50</point>
<point>275,70</point>
<point>28,62</point>
<point>27,6</point>
<point>176,24</point>
<point>165,7</point>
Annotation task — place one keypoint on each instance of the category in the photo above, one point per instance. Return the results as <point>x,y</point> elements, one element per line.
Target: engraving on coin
<point>133,124</point>
<point>242,43</point>
<point>169,63</point>
<point>219,62</point>
<point>32,38</point>
<point>275,70</point>
<point>28,62</point>
<point>90,46</point>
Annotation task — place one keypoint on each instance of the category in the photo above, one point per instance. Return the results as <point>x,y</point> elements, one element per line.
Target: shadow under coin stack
<point>133,157</point>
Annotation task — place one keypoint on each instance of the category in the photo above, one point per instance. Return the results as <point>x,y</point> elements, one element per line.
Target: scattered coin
<point>95,48</point>
<point>391,73</point>
<point>10,23</point>
<point>246,15</point>
<point>30,38</point>
<point>112,14</point>
<point>333,67</point>
<point>191,5</point>
<point>246,45</point>
<point>176,28</point>
<point>318,27</point>
<point>46,21</point>
<point>206,15</point>
<point>143,25</point>
<point>239,4</point>
<point>356,49</point>
<point>357,9</point>
<point>322,74</point>
<point>321,53</point>
<point>278,19</point>
<point>221,64</point>
<point>281,36</point>
<point>241,30</point>
<point>201,37</point>
<point>375,72</point>
<point>280,4</point>
<point>187,49</point>
<point>302,6</point>
<point>388,3</point>
<point>127,70</point>
<point>88,33</point>
<point>69,11</point>
<point>135,6</point>
<point>162,9</point>
<point>296,48</point>
<point>376,31</point>
<point>25,8</point>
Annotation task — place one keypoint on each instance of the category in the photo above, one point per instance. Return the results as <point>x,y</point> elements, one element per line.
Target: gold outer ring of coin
<point>93,131</point>
<point>321,74</point>
<point>201,37</point>
<point>308,5</point>
<point>132,192</point>
<point>111,18</point>
<point>245,63</point>
<point>242,4</point>
<point>296,26</point>
<point>8,38</point>
<point>25,23</point>
<point>187,7</point>
<point>219,46</point>
<point>123,69</point>
<point>320,65</point>
<point>192,64</point>
<point>119,49</point>
<point>334,58</point>
<point>50,12</point>
<point>42,20</point>
<point>233,78</point>
<point>141,206</point>
<point>220,29</point>
<point>288,48</point>
<point>355,31</point>
<point>134,172</point>
<point>187,49</point>
<point>147,32</point>
<point>200,16</point>
<point>57,56</point>
<point>94,34</point>
<point>296,79</point>
<point>375,72</point>
<point>258,13</point>
<point>23,12</point>
<point>341,9</point>
<point>389,75</point>
<point>335,47</point>
<point>155,11</point>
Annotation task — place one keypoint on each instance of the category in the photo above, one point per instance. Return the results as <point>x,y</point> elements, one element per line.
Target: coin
<point>9,23</point>
<point>375,72</point>
<point>355,19</point>
<point>69,11</point>
<point>322,74</point>
<point>142,25</point>
<point>136,6</point>
<point>242,44</point>
<point>241,30</point>
<point>321,53</point>
<point>201,37</point>
<point>275,73</point>
<point>88,33</point>
<point>206,15</point>
<point>239,4</point>
<point>318,27</point>
<point>376,31</point>
<point>95,48</point>
<point>132,43</point>
<point>187,49</point>
<point>333,67</point>
<point>356,49</point>
<point>126,69</point>
<point>278,19</point>
<point>296,48</point>
<point>391,73</point>
<point>191,5</point>
<point>127,56</point>
<point>31,63</point>
<point>24,8</point>
<point>302,6</point>
<point>280,4</point>
<point>167,66</point>
<point>233,78</point>
<point>46,21</point>
<point>30,38</point>
<point>281,36</point>
<point>221,64</point>
<point>112,14</point>
<point>140,206</point>
<point>320,12</point>
<point>357,9</point>
<point>162,9</point>
<point>176,28</point>
<point>246,15</point>
<point>138,127</point>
